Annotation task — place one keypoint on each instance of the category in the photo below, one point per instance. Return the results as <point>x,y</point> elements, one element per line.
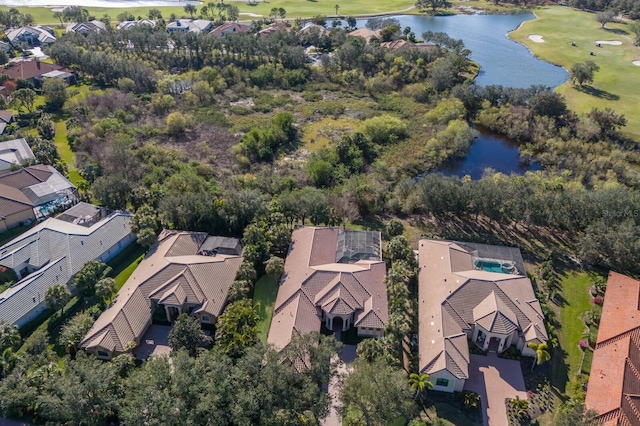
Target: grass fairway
<point>294,8</point>
<point>575,291</point>
<point>265,293</point>
<point>615,85</point>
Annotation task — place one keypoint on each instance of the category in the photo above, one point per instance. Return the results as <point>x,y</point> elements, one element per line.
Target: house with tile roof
<point>85,28</point>
<point>365,33</point>
<point>45,188</point>
<point>14,152</point>
<point>35,72</point>
<point>230,27</point>
<point>614,382</point>
<point>189,25</point>
<point>6,118</point>
<point>34,35</point>
<point>127,25</point>
<point>184,272</point>
<point>472,294</point>
<point>331,275</point>
<point>53,251</point>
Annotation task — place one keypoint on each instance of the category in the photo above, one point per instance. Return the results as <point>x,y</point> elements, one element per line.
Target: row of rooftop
<point>469,294</point>
<point>43,35</point>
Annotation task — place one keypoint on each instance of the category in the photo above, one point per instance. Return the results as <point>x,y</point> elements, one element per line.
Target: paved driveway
<point>495,379</point>
<point>347,356</point>
<point>155,342</point>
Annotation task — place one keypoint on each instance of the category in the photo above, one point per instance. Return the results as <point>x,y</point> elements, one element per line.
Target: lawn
<point>264,295</point>
<point>575,292</point>
<point>294,8</point>
<point>321,133</point>
<point>614,85</point>
<point>126,262</point>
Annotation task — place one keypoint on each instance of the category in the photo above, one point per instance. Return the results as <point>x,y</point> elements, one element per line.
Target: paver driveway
<point>346,357</point>
<point>495,379</point>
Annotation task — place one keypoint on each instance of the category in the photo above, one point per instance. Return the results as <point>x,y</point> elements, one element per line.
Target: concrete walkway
<point>495,379</point>
<point>347,356</point>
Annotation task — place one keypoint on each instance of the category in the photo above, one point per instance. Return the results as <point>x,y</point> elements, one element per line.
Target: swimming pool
<point>490,266</point>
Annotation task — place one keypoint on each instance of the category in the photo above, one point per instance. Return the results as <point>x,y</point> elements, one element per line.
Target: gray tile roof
<point>14,152</point>
<point>313,281</point>
<point>68,244</point>
<point>172,273</point>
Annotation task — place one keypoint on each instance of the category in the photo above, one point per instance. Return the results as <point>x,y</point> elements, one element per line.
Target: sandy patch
<point>536,38</point>
<point>611,42</point>
<point>252,15</point>
<point>636,63</point>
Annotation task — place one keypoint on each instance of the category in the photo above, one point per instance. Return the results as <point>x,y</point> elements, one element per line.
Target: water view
<point>502,61</point>
<point>489,150</point>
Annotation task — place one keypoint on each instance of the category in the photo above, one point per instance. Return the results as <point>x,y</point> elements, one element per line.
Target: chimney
<point>38,62</point>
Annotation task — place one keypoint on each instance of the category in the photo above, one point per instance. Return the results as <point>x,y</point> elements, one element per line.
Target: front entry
<point>494,344</point>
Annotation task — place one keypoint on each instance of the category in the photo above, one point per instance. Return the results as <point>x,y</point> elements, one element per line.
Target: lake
<point>489,150</point>
<point>502,61</point>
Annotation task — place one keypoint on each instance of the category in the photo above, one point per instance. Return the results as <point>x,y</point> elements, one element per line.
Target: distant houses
<point>614,382</point>
<point>34,72</point>
<point>189,25</point>
<point>184,272</point>
<point>36,35</point>
<point>127,25</point>
<point>472,294</point>
<point>230,27</point>
<point>85,28</point>
<point>47,190</point>
<point>332,277</point>
<point>53,251</point>
<point>14,152</point>
<point>6,118</point>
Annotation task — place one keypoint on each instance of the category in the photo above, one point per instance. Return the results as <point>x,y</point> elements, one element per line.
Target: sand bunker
<point>611,42</point>
<point>536,38</point>
<point>636,63</point>
<point>252,15</point>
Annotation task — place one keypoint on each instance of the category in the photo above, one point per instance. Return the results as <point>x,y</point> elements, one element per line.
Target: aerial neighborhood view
<point>301,212</point>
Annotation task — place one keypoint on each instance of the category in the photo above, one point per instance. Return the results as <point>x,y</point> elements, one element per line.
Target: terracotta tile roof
<point>314,281</point>
<point>614,383</point>
<point>230,27</point>
<point>365,33</point>
<point>31,69</point>
<point>173,274</point>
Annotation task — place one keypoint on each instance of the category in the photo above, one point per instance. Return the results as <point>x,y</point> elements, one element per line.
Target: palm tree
<point>336,7</point>
<point>420,383</point>
<point>471,399</point>
<point>542,354</point>
<point>105,288</point>
<point>521,407</point>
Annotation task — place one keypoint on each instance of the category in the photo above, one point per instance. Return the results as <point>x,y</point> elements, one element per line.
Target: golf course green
<point>615,86</point>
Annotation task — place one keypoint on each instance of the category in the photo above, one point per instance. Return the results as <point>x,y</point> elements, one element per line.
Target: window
<point>206,319</point>
<point>442,382</point>
<point>103,354</point>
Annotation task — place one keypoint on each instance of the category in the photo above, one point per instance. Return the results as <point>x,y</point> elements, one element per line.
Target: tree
<point>126,16</point>
<point>46,127</point>
<point>105,288</point>
<point>521,407</point>
<point>60,17</point>
<point>582,72</point>
<point>236,328</point>
<point>607,120</point>
<point>542,354</point>
<point>190,9</point>
<point>9,337</point>
<point>605,17</point>
<point>635,29</point>
<point>24,98</point>
<point>176,123</point>
<point>275,267</point>
<point>187,334</point>
<point>57,296</point>
<point>145,225</point>
<point>8,359</point>
<point>422,5</point>
<point>74,331</point>
<point>86,279</point>
<point>370,349</point>
<point>420,383</point>
<point>336,7</point>
<point>154,14</point>
<point>351,22</point>
<point>574,413</point>
<point>282,13</point>
<point>384,129</point>
<point>378,393</point>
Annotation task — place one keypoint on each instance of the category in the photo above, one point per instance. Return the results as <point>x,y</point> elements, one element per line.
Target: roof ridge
<point>453,309</point>
<point>633,407</point>
<point>629,333</point>
<point>457,335</point>
<point>633,368</point>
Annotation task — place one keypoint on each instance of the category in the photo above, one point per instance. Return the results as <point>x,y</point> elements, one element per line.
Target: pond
<point>489,150</point>
<point>502,61</point>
